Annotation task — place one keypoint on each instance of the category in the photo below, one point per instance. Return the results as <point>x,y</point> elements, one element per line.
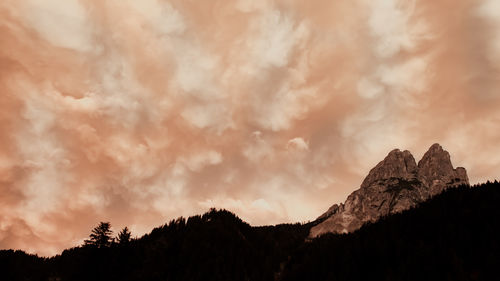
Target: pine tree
<point>124,236</point>
<point>100,236</point>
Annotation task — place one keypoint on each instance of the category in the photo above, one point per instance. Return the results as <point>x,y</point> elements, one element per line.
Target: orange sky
<point>137,112</point>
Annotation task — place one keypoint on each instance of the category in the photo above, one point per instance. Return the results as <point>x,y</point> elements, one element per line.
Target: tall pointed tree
<point>124,236</point>
<point>100,236</point>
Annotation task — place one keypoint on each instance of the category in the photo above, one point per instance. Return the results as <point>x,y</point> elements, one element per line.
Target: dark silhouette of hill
<point>453,236</point>
<point>215,246</point>
<point>17,265</point>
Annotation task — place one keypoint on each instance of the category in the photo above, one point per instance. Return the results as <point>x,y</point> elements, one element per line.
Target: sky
<point>138,112</point>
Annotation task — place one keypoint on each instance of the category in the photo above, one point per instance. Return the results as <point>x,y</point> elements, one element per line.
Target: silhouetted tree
<point>453,236</point>
<point>124,236</point>
<point>100,236</point>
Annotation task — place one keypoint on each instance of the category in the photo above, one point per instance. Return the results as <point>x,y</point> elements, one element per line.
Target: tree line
<point>102,236</point>
<point>453,236</point>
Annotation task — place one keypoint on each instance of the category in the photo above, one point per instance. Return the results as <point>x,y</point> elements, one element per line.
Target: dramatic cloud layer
<point>137,112</point>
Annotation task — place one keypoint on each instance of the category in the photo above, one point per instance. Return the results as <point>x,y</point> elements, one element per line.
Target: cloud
<point>369,89</point>
<point>62,23</point>
<point>199,160</point>
<point>160,15</point>
<point>406,77</point>
<point>286,105</point>
<point>137,112</point>
<point>257,148</point>
<point>277,35</point>
<point>390,23</point>
<point>250,6</point>
<point>488,9</point>
<point>297,143</point>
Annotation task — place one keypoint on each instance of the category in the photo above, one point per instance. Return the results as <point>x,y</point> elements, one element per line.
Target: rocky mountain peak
<point>436,171</point>
<point>395,184</point>
<point>397,164</point>
<point>435,163</point>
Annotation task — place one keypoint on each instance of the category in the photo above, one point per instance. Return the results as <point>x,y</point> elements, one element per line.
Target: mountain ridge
<point>452,236</point>
<point>395,184</point>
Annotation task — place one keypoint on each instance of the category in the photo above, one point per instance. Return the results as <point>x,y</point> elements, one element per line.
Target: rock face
<point>394,185</point>
<point>436,171</point>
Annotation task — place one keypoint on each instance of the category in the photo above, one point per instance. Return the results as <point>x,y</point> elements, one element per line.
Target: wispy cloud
<point>138,112</point>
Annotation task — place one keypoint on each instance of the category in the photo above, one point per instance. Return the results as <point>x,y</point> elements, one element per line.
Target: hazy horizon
<point>139,112</point>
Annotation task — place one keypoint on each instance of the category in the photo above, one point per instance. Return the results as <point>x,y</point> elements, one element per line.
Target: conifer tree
<point>124,236</point>
<point>100,236</point>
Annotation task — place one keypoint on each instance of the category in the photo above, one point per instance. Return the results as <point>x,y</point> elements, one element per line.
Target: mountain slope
<point>397,183</point>
<point>453,236</point>
<point>215,246</point>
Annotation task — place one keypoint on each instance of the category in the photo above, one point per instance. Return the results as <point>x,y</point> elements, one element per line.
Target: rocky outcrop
<point>396,184</point>
<point>397,164</point>
<point>436,171</point>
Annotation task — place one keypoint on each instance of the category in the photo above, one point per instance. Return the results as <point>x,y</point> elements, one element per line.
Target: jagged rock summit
<point>396,184</point>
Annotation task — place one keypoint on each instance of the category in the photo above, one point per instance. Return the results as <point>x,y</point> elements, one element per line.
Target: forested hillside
<point>453,236</point>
